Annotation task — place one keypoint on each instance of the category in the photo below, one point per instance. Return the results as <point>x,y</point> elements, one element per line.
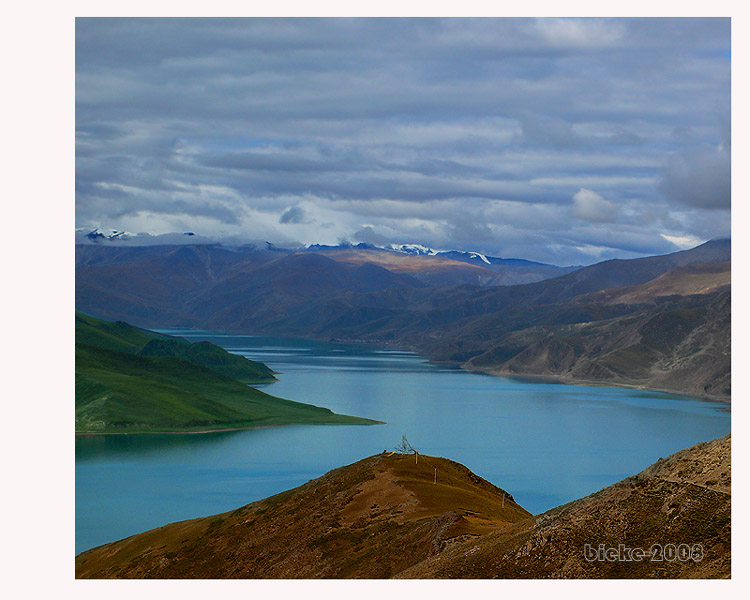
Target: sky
<point>567,141</point>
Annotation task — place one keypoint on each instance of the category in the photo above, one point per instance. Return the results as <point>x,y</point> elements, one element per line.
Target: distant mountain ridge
<point>113,237</point>
<point>356,294</point>
<point>499,271</point>
<point>108,235</point>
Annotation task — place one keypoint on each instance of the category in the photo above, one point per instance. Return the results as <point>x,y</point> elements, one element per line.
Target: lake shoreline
<point>187,431</point>
<point>384,345</point>
<point>532,377</point>
<point>219,429</point>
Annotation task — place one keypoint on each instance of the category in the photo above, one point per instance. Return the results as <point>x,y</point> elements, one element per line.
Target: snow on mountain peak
<point>425,251</point>
<point>411,249</point>
<point>480,256</point>
<point>101,235</point>
<point>109,234</point>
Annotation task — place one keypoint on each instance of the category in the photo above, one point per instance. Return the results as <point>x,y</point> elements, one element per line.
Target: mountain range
<point>661,321</point>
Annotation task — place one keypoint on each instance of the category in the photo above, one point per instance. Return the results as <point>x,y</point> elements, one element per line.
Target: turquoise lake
<point>545,443</point>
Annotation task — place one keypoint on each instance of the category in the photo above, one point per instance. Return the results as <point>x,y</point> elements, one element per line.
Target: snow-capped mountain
<point>100,235</point>
<point>425,251</point>
<point>481,257</point>
<point>109,235</point>
<point>510,270</point>
<point>412,249</point>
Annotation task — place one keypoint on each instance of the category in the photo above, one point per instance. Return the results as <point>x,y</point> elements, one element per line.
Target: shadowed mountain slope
<point>562,326</point>
<point>678,343</point>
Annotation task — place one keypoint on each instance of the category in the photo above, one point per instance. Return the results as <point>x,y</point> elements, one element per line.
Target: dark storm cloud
<point>294,214</point>
<point>368,236</point>
<point>699,177</point>
<point>567,140</point>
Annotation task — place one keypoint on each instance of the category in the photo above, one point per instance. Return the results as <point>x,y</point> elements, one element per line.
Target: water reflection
<point>114,447</point>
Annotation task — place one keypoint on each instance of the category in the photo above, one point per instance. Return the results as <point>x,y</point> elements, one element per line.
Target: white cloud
<point>590,206</point>
<point>313,130</point>
<point>683,241</point>
<point>580,33</point>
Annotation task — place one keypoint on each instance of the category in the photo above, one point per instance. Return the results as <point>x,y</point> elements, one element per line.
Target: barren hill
<point>667,342</point>
<point>373,518</point>
<point>388,516</point>
<point>685,499</point>
<point>699,278</point>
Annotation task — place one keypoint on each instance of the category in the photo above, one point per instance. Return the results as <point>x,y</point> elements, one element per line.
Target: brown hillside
<point>680,343</point>
<point>699,278</point>
<point>433,270</point>
<point>683,499</point>
<point>384,516</point>
<point>371,519</point>
<point>398,262</point>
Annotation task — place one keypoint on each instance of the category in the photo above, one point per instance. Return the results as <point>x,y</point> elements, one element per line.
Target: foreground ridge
<point>407,516</point>
<point>373,519</point>
<point>684,499</point>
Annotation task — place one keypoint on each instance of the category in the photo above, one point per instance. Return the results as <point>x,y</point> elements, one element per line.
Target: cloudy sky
<point>563,140</point>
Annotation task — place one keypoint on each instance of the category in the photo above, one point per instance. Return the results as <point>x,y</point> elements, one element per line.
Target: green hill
<point>126,338</point>
<point>114,336</point>
<point>212,357</point>
<point>121,390</point>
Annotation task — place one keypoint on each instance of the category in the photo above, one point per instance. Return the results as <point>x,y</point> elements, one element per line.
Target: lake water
<point>545,443</point>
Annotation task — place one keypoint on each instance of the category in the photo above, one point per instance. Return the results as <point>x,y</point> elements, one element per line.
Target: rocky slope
<point>662,341</point>
<point>386,516</point>
<point>685,499</point>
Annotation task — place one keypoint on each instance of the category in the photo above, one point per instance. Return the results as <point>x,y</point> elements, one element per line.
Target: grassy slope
<point>122,392</point>
<point>212,357</point>
<point>126,338</point>
<point>113,335</point>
